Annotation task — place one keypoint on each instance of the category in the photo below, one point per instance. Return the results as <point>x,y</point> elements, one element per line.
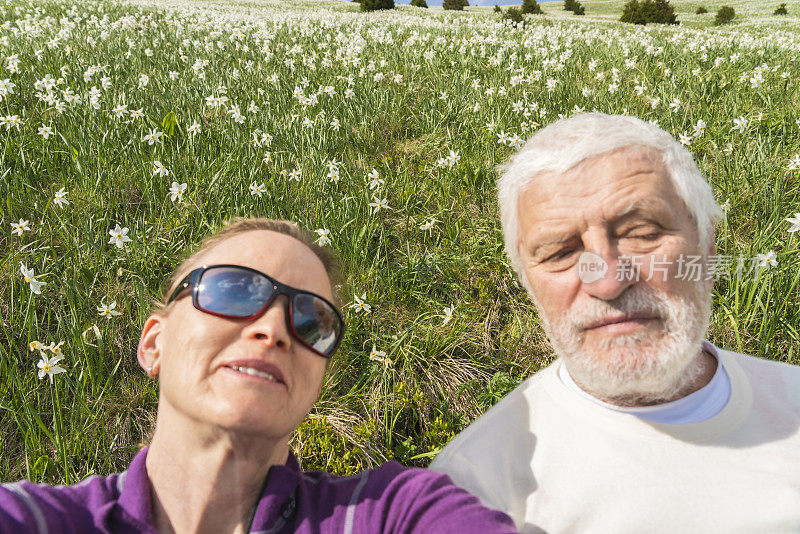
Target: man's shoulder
<point>767,377</point>
<point>510,416</point>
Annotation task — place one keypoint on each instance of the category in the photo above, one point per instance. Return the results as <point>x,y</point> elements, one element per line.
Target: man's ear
<point>148,352</point>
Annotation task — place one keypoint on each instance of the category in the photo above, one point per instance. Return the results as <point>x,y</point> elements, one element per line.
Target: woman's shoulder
<point>29,507</point>
<point>391,497</point>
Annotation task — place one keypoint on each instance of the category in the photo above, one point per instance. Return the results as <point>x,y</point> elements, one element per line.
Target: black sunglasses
<point>237,292</point>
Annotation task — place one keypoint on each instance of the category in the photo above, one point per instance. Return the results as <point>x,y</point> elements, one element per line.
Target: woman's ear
<point>148,352</point>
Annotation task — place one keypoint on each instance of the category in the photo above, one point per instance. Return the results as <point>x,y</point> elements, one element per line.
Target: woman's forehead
<point>278,255</point>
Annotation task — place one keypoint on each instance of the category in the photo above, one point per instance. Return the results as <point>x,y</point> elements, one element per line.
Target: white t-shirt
<point>558,462</point>
<point>703,404</point>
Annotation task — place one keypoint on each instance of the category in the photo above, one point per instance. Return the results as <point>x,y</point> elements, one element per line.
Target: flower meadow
<point>130,131</point>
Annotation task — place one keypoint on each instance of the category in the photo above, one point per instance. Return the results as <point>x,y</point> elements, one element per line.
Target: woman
<point>240,345</point>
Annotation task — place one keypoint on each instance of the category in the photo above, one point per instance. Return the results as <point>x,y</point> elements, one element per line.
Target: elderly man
<point>640,425</point>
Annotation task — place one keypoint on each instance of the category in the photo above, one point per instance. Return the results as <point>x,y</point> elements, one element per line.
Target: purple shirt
<point>390,498</point>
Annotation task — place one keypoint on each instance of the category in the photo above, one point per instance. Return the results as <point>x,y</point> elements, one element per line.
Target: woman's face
<point>204,360</point>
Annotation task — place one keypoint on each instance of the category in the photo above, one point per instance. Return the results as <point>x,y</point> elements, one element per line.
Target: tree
<point>701,10</point>
<point>374,5</point>
<point>455,5</point>
<point>781,10</point>
<point>497,9</point>
<point>578,8</point>
<point>530,6</point>
<point>514,15</point>
<point>569,5</point>
<point>419,3</point>
<point>724,15</point>
<point>658,11</point>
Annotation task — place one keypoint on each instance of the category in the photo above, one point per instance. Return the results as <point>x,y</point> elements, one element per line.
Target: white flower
<point>55,348</point>
<point>335,124</point>
<point>36,345</point>
<point>61,198</point>
<point>193,129</point>
<point>46,131</point>
<point>685,139</point>
<point>34,284</point>
<point>428,225</point>
<point>379,356</point>
<point>119,236</point>
<point>375,180</point>
<point>257,189</point>
<point>795,222</point>
<point>153,137</point>
<point>360,304</point>
<point>158,168</point>
<point>324,236</point>
<point>794,163</point>
<point>740,124</point>
<point>47,366</point>
<point>19,227</point>
<point>379,204</point>
<point>448,314</point>
<point>176,191</point>
<point>295,175</point>
<point>699,128</point>
<point>108,310</point>
<point>766,260</point>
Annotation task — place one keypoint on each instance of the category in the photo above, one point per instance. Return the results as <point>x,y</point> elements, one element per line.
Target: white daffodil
<point>27,274</point>
<point>448,314</point>
<point>375,181</point>
<point>379,204</point>
<point>119,236</point>
<point>153,137</point>
<point>47,366</point>
<point>795,222</point>
<point>257,189</point>
<point>61,198</point>
<point>428,225</point>
<point>108,310</point>
<point>55,348</point>
<point>766,260</point>
<point>159,169</point>
<point>46,131</point>
<point>176,192</point>
<point>19,227</point>
<point>740,124</point>
<point>360,304</point>
<point>379,356</point>
<point>324,236</point>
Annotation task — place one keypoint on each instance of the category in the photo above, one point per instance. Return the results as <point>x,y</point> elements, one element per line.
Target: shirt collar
<point>134,499</point>
<point>134,503</point>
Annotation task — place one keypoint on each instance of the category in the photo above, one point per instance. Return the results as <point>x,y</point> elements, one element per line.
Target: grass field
<point>311,111</point>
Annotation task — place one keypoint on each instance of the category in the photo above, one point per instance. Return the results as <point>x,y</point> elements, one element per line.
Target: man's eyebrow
<point>552,243</point>
<point>641,207</point>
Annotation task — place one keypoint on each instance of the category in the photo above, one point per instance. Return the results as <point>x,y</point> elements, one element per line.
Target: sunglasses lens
<point>233,292</point>
<point>316,322</point>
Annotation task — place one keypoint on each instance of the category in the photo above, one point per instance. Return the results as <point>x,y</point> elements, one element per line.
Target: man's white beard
<point>637,369</point>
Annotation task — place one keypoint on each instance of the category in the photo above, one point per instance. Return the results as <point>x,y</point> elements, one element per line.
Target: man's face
<point>202,357</point>
<point>631,338</point>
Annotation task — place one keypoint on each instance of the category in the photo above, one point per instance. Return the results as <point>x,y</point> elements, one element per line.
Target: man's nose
<point>618,273</point>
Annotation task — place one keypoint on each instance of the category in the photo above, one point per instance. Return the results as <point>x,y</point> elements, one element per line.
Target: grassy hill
<point>285,109</point>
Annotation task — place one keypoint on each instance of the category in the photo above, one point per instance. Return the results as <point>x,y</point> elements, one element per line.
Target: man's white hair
<point>568,142</point>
